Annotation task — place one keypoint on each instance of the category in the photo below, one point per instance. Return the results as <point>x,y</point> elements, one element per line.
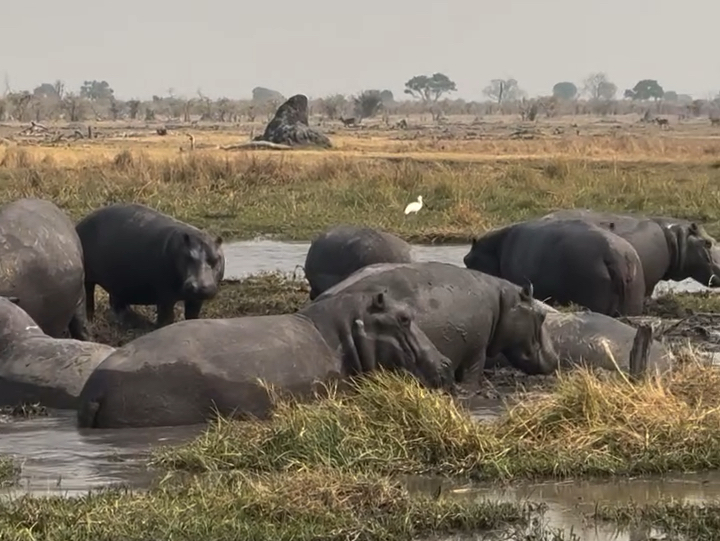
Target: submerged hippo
<point>338,252</point>
<point>41,263</point>
<point>568,261</point>
<point>669,248</point>
<point>578,340</point>
<point>181,374</point>
<point>468,315</point>
<point>35,367</point>
<point>141,256</point>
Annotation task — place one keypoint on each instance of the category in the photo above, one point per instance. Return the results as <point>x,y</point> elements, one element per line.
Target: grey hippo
<point>183,373</point>
<point>468,315</point>
<point>669,248</point>
<point>338,252</point>
<point>567,261</point>
<point>41,263</point>
<point>35,367</point>
<point>142,256</point>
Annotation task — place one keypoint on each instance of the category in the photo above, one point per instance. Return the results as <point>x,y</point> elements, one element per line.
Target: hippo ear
<point>218,240</point>
<point>186,238</point>
<point>14,300</point>
<point>474,241</point>
<point>611,226</point>
<point>527,291</point>
<point>378,301</point>
<point>694,229</point>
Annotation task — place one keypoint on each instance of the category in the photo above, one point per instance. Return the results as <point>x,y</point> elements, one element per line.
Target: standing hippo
<point>35,367</point>
<point>41,263</point>
<point>338,252</point>
<point>181,374</point>
<point>568,261</point>
<point>141,256</point>
<point>669,248</point>
<point>468,315</point>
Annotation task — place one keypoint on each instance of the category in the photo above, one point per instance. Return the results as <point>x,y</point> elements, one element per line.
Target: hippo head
<point>200,264</point>
<point>482,256</point>
<point>522,336</point>
<point>387,336</point>
<point>696,254</point>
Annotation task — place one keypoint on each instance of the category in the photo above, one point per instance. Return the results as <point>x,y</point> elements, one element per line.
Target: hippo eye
<point>404,320</point>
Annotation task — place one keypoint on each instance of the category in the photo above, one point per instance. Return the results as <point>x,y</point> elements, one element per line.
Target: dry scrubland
<point>327,470</point>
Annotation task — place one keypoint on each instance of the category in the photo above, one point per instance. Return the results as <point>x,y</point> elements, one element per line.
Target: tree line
<point>430,94</point>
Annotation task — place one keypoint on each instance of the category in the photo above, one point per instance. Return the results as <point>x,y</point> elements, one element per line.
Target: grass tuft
<point>587,425</point>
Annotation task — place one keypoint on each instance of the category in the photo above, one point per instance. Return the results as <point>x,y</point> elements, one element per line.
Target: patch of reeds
<point>589,424</point>
<point>245,195</point>
<point>9,470</point>
<point>309,505</point>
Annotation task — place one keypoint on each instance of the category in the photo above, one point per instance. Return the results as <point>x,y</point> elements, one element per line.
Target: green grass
<point>8,471</point>
<point>679,305</point>
<point>242,197</point>
<point>587,425</point>
<point>312,505</point>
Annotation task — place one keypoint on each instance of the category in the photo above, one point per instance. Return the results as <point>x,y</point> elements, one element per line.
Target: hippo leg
<point>89,300</point>
<point>121,309</point>
<point>192,309</point>
<point>78,327</point>
<point>165,313</point>
<point>469,371</point>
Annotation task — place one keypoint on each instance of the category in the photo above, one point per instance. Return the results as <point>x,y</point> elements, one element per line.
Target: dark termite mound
<point>290,126</point>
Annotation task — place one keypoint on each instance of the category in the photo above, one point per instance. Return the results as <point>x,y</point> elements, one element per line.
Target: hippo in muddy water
<point>35,367</point>
<point>468,315</point>
<point>578,340</point>
<point>183,373</point>
<point>669,248</point>
<point>141,256</point>
<point>41,263</point>
<point>338,252</point>
<point>568,261</point>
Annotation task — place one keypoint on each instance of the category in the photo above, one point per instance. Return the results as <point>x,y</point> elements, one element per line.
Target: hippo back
<point>41,262</point>
<point>337,253</point>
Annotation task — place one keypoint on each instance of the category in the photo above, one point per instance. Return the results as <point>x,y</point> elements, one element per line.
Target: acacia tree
<point>597,86</point>
<point>500,90</point>
<point>368,103</point>
<point>430,89</point>
<point>645,89</point>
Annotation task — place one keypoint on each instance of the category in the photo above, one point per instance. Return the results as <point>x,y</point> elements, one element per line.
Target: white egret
<point>414,206</point>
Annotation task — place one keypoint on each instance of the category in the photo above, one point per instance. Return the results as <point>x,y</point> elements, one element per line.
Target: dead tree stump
<point>640,352</point>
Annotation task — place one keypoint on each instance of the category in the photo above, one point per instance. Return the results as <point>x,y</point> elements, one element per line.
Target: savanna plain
<point>338,468</point>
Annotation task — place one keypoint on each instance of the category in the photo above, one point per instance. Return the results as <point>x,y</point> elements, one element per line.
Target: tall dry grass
<point>246,195</point>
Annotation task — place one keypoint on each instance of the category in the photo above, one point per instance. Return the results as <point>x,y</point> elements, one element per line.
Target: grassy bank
<point>587,425</point>
<point>8,470</point>
<point>301,506</point>
<point>242,196</point>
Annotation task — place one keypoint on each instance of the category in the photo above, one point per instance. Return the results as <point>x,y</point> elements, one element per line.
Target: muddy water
<point>58,458</point>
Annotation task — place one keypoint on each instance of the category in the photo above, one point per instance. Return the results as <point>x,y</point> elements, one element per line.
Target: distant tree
<point>565,90</point>
<point>261,94</point>
<point>73,106</point>
<point>133,108</point>
<point>430,89</point>
<point>387,96</point>
<point>500,90</point>
<point>332,106</point>
<point>597,86</point>
<point>45,90</point>
<point>18,104</point>
<point>368,103</point>
<point>645,89</point>
<point>96,90</point>
<point>671,95</point>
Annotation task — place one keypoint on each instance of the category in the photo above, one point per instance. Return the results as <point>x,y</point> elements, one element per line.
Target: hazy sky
<point>318,47</point>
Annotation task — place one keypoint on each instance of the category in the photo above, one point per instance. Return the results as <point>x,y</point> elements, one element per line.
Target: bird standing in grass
<point>414,206</point>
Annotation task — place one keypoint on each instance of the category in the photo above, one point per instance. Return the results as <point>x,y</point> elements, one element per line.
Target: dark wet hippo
<point>41,263</point>
<point>179,374</point>
<point>35,367</point>
<point>338,252</point>
<point>468,315</point>
<point>669,248</point>
<point>568,261</point>
<point>578,340</point>
<point>141,256</point>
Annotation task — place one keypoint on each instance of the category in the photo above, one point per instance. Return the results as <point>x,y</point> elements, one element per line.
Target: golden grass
<point>587,425</point>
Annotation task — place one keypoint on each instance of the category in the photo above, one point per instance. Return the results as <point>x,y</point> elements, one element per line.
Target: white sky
<point>319,47</point>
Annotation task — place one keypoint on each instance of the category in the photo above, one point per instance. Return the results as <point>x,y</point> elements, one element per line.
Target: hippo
<point>577,338</point>
<point>142,256</point>
<point>469,316</point>
<point>338,252</point>
<point>669,248</point>
<point>567,261</point>
<point>41,264</point>
<point>184,373</point>
<point>35,367</point>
